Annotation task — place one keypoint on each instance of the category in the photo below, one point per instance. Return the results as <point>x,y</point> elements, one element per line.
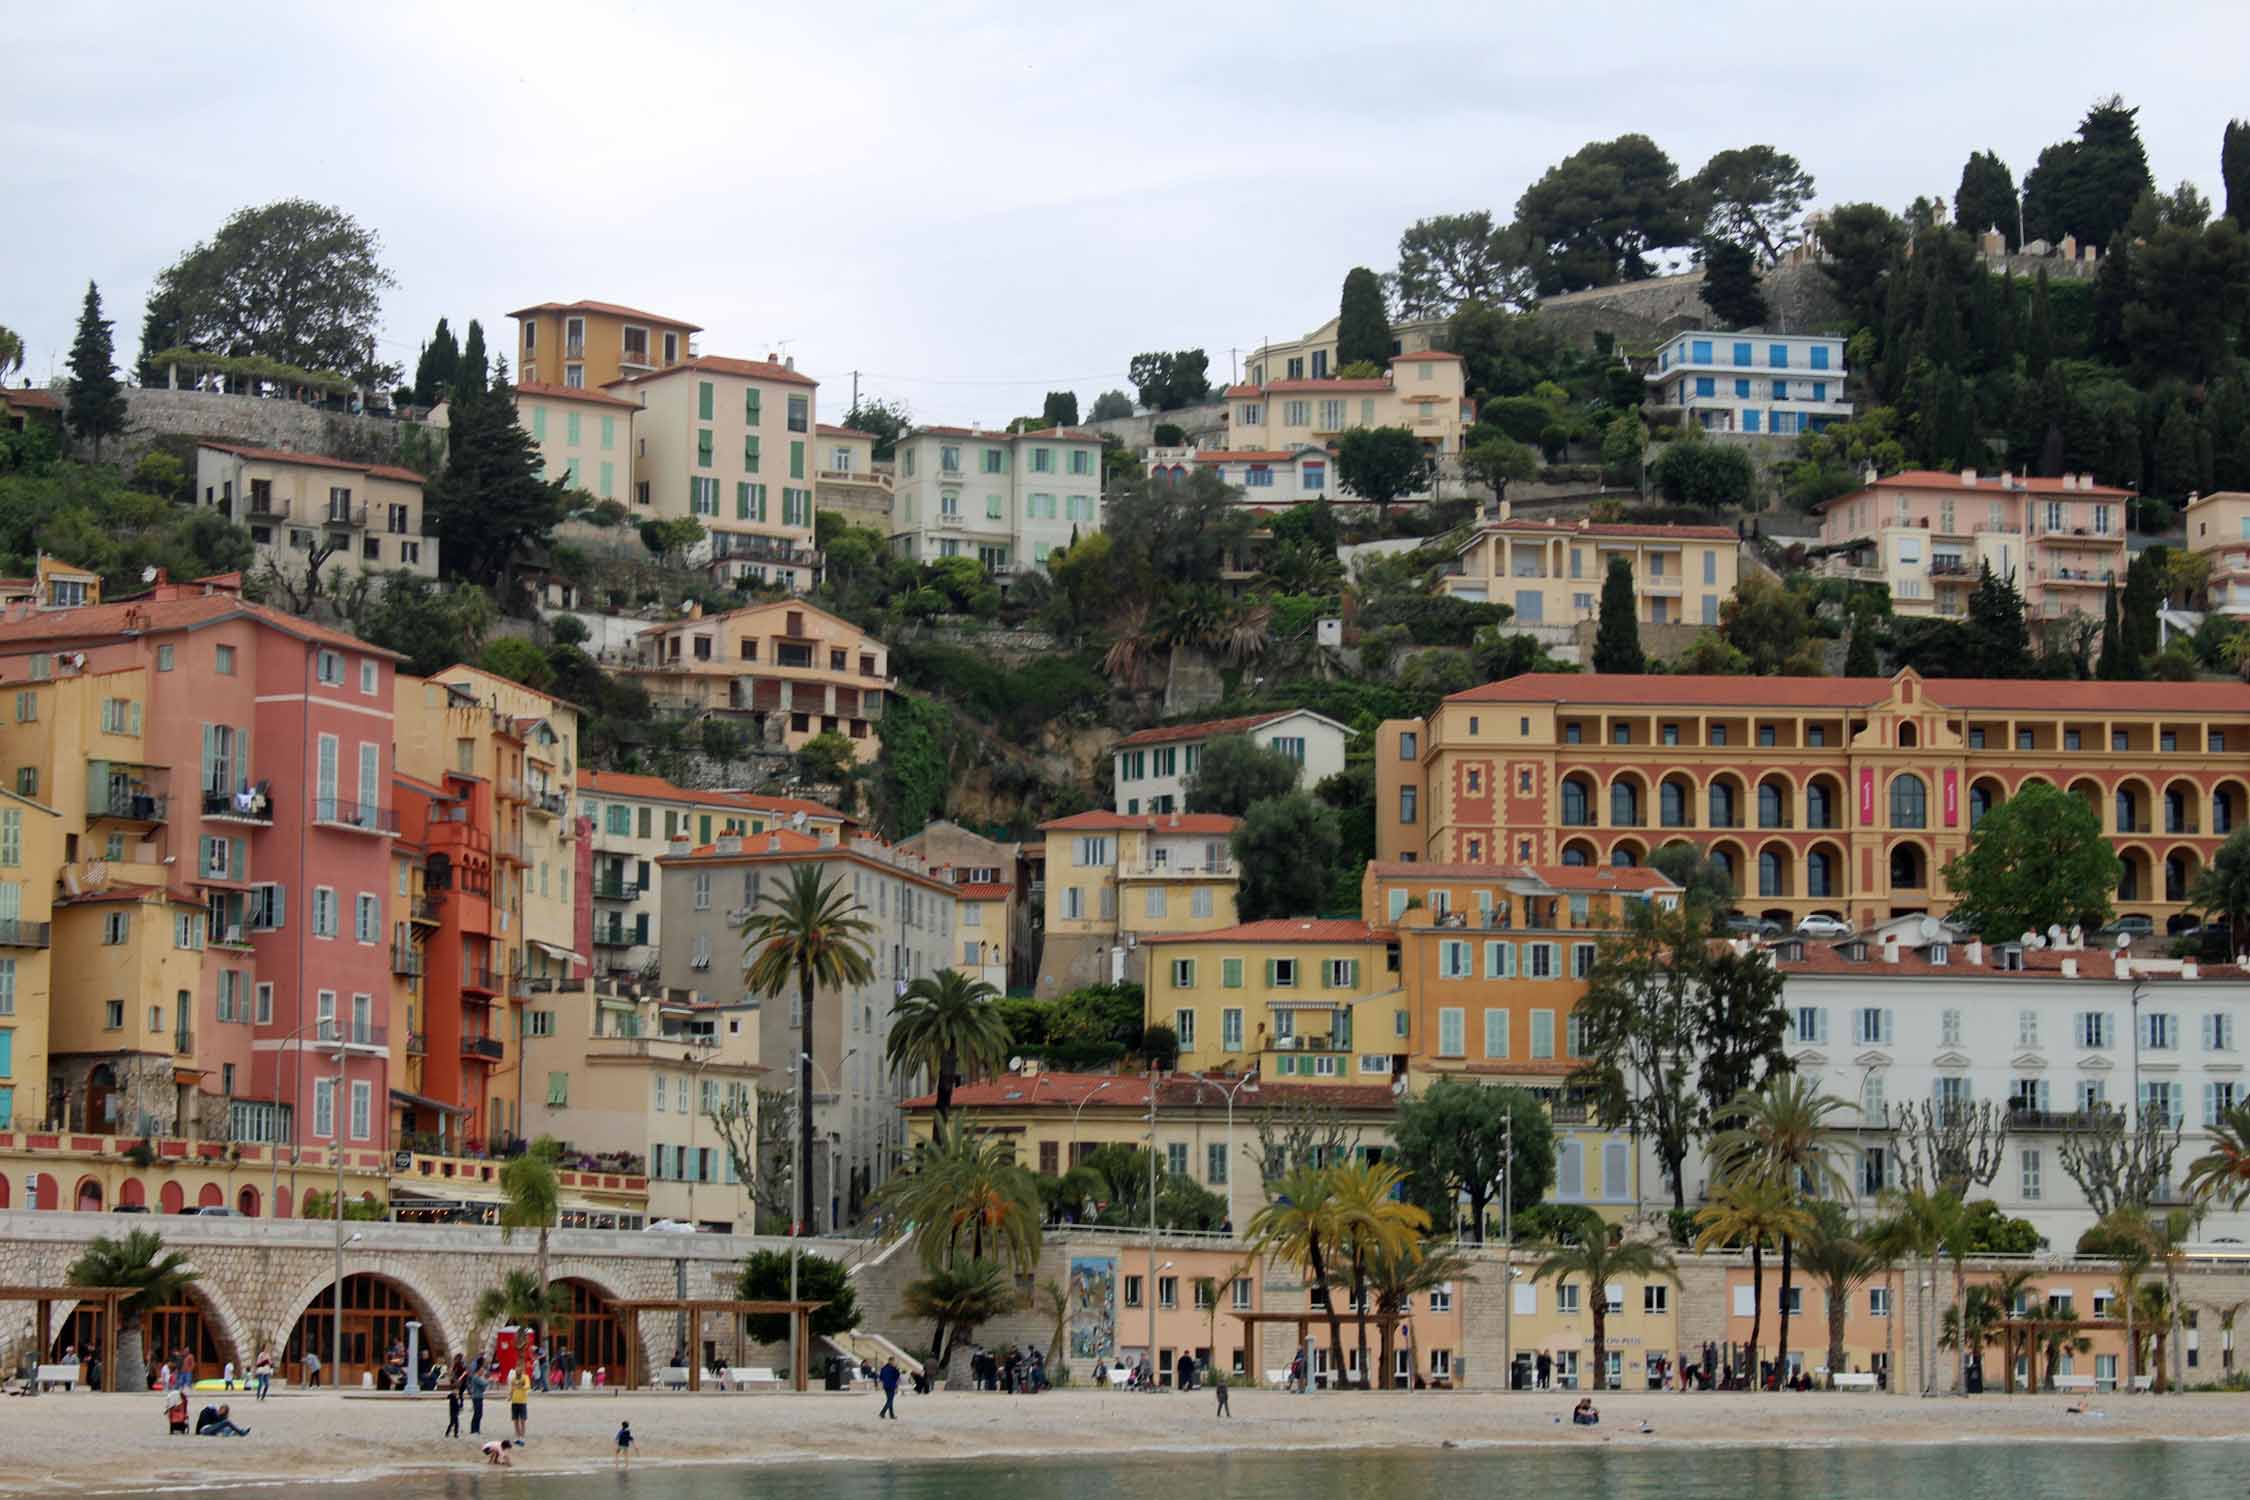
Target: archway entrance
<point>376,1311</point>
<point>595,1335</point>
<point>187,1326</point>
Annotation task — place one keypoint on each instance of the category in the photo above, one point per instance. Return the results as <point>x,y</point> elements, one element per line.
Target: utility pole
<point>1507,1251</point>
<point>855,390</point>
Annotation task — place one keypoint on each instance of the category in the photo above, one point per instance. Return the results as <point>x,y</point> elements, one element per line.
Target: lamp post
<point>804,1164</point>
<point>1074,1114</point>
<point>1249,1078</point>
<point>273,1158</point>
<point>1149,1292</point>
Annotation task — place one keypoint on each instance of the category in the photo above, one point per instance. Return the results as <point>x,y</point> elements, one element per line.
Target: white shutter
<point>1820,1024</point>
<point>1745,1302</point>
<point>1527,1300</point>
<point>1887,1035</point>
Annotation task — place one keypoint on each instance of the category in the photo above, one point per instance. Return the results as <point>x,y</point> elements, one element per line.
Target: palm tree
<point>1057,1296</point>
<point>1982,1315</point>
<point>2010,1288</point>
<point>2222,1174</point>
<point>159,1277</point>
<point>2222,887</point>
<point>522,1298</point>
<point>1374,1222</point>
<point>1923,1224</point>
<point>967,1198</point>
<point>1756,1211</point>
<point>1842,1259</point>
<point>1396,1280</point>
<point>1595,1261</point>
<point>534,1195</point>
<point>1132,647</point>
<point>805,930</point>
<point>1302,567</point>
<point>1781,1131</point>
<point>2060,1336</point>
<point>947,1024</point>
<point>1301,1224</point>
<point>2130,1241</point>
<point>959,1299</point>
<point>11,352</point>
<point>2171,1233</point>
<point>2154,1301</point>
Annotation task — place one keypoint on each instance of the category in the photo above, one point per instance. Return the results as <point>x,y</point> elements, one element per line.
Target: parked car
<point>214,1211</point>
<point>2133,924</point>
<point>130,1208</point>
<point>669,1226</point>
<point>1821,925</point>
<point>1742,924</point>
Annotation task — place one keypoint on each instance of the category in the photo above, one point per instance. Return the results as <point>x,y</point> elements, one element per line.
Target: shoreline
<point>296,1437</point>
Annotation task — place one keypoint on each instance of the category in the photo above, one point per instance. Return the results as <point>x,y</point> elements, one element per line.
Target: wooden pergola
<point>45,1298</point>
<point>1304,1319</point>
<point>695,1307</point>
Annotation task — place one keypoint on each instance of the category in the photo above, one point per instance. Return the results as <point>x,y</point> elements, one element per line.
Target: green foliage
<point>1060,409</point>
<point>1546,1223</point>
<point>1695,872</point>
<point>1237,771</point>
<point>1752,198</point>
<point>912,773</point>
<point>1595,216</point>
<point>1456,261</point>
<point>568,630</point>
<point>319,1205</point>
<point>2087,187</point>
<point>1110,406</point>
<point>670,539</point>
<point>95,408</point>
<point>1084,1030</point>
<point>1434,619</point>
<point>884,421</point>
<point>1522,418</point>
<point>1861,240</point>
<point>1013,701</point>
<point>1498,461</point>
<point>1453,1140</point>
<point>84,515</point>
<point>1991,1232</point>
<point>433,629</point>
<point>1381,464</point>
<point>1160,1044</point>
<point>1730,285</point>
<point>1617,638</point>
<point>518,660</point>
<point>436,366</point>
<point>1709,474</point>
<point>1772,626</point>
<point>1363,328</point>
<point>1499,652</point>
<point>1167,382</point>
<point>490,501</point>
<point>1285,848</point>
<point>1986,198</point>
<point>765,1278</point>
<point>2037,860</point>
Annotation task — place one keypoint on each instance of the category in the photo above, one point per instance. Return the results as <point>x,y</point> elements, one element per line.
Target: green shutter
<point>703,828</point>
<point>750,406</point>
<point>750,453</point>
<point>1270,967</point>
<point>703,400</point>
<point>1230,973</point>
<point>609,478</point>
<point>570,428</point>
<point>703,448</point>
<point>796,459</point>
<point>609,433</point>
<point>742,500</point>
<point>539,423</point>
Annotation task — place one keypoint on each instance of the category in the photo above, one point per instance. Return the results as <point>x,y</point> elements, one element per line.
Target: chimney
<point>1890,948</point>
<point>1968,479</point>
<point>827,837</point>
<point>772,358</point>
<point>773,843</point>
<point>789,361</point>
<point>1976,953</point>
<point>1868,476</point>
<point>2007,479</point>
<point>2070,969</point>
<point>730,843</point>
<point>1507,510</point>
<point>680,846</point>
<point>2124,967</point>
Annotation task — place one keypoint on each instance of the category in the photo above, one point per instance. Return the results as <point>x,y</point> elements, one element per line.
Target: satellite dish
<point>1931,927</point>
<point>2124,941</point>
<point>2077,935</point>
<point>2054,932</point>
<point>2036,942</point>
<point>148,574</point>
<point>1015,1065</point>
<point>2029,939</point>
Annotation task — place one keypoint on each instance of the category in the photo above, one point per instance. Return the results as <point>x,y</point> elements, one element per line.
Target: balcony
<point>356,1036</point>
<point>508,788</point>
<point>406,961</point>
<point>2051,1121</point>
<point>482,981</point>
<point>616,889</point>
<point>1668,583</point>
<point>183,1043</point>
<point>613,936</point>
<point>1950,567</point>
<point>481,1049</point>
<point>2079,577</point>
<point>345,518</point>
<point>266,508</point>
<point>574,348</point>
<point>508,847</point>
<point>635,359</point>
<point>429,908</point>
<point>417,1044</point>
<point>1179,870</point>
<point>1569,1114</point>
<point>17,933</point>
<point>551,804</point>
<point>355,817</point>
<point>253,808</point>
<point>119,805</point>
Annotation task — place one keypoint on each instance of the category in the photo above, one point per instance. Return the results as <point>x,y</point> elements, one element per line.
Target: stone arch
<point>43,1195</point>
<point>1628,795</point>
<point>231,1337</point>
<point>2136,797</point>
<point>1777,870</point>
<point>601,1283</point>
<point>1728,855</point>
<point>246,1200</point>
<point>2181,866</point>
<point>2181,807</point>
<point>1909,866</point>
<point>1578,800</point>
<point>86,1198</point>
<point>1725,801</point>
<point>1826,873</point>
<point>1825,801</point>
<point>1777,801</point>
<point>2229,806</point>
<point>1675,801</point>
<point>131,1191</point>
<point>1985,794</point>
<point>2089,791</point>
<point>1626,853</point>
<point>211,1196</point>
<point>437,1318</point>
<point>2137,877</point>
<point>1579,852</point>
<point>171,1197</point>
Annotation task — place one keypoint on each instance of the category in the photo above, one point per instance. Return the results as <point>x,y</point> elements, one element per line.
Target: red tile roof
<point>1967,693</point>
<point>1111,822</point>
<point>32,397</point>
<point>610,308</point>
<point>985,892</point>
<point>155,612</point>
<point>1426,354</point>
<point>1594,530</point>
<point>543,390</point>
<point>1559,877</point>
<point>825,430</point>
<point>1281,930</point>
<point>1209,729</point>
<point>1940,479</point>
<point>315,461</point>
<point>1175,1091</point>
<point>1261,456</point>
<point>657,789</point>
<point>1353,386</point>
<point>715,364</point>
<point>1827,959</point>
<point>991,435</point>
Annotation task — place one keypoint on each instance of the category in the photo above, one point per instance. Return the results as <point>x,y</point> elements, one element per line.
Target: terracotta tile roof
<point>1175,1091</point>
<point>1940,479</point>
<point>990,435</point>
<point>151,613</point>
<point>1111,822</point>
<point>610,308</point>
<point>32,398</point>
<point>716,364</point>
<point>985,892</point>
<point>657,789</point>
<point>1425,355</point>
<point>543,390</point>
<point>1261,456</point>
<point>1826,959</point>
<point>825,430</point>
<point>1967,693</point>
<point>1209,729</point>
<point>1559,877</point>
<point>1281,930</point>
<point>1596,530</point>
<point>772,841</point>
<point>1354,387</point>
<point>315,461</point>
<point>117,890</point>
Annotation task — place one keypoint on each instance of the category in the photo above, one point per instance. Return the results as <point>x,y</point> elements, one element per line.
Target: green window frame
<point>539,423</point>
<point>742,500</point>
<point>796,458</point>
<point>751,413</point>
<point>992,507</point>
<point>703,400</point>
<point>750,454</point>
<point>570,428</point>
<point>1230,973</point>
<point>703,828</point>
<point>609,433</point>
<point>995,461</point>
<point>609,480</point>
<point>703,448</point>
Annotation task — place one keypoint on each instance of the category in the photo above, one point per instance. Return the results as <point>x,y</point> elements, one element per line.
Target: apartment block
<point>1113,879</point>
<point>850,481</point>
<point>2218,526</point>
<point>995,922</point>
<point>1927,536</point>
<point>1424,393</point>
<point>1313,357</point>
<point>1775,384</point>
<point>300,507</point>
<point>1008,499</point>
<point>31,851</point>
<point>586,345</point>
<point>788,669</point>
<point>1273,479</point>
<point>1153,767</point>
<point>710,892</point>
<point>1551,572</point>
<point>584,437</point>
<point>730,442</point>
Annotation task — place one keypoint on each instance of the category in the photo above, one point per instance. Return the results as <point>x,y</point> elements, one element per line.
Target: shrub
<point>1433,619</point>
<point>1705,474</point>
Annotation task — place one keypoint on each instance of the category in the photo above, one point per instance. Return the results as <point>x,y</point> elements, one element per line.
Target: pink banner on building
<point>1952,794</point>
<point>1867,797</point>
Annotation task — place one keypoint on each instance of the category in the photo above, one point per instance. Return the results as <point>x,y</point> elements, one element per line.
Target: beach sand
<point>92,1443</point>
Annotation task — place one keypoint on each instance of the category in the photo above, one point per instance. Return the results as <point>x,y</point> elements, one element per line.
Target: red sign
<point>1867,797</point>
<point>1952,794</point>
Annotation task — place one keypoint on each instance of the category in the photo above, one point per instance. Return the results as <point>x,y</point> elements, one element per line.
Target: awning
<point>556,951</point>
<point>424,1101</point>
<point>446,1190</point>
<point>1277,1003</point>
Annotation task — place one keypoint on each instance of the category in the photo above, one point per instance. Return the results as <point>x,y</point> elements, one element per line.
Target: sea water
<point>1621,1469</point>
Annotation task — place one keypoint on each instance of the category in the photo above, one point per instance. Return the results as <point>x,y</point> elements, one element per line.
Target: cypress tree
<point>1617,641</point>
<point>440,362</point>
<point>1363,329</point>
<point>1859,658</point>
<point>2137,607</point>
<point>1999,643</point>
<point>97,401</point>
<point>2039,349</point>
<point>2112,668</point>
<point>470,376</point>
<point>2175,453</point>
<point>2234,170</point>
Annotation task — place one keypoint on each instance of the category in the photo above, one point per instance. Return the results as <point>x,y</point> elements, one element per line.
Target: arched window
<point>1820,809</point>
<point>1908,736</point>
<point>1623,857</point>
<point>1624,804</point>
<point>1769,874</point>
<point>2125,812</point>
<point>1772,805</point>
<point>1906,868</point>
<point>1722,805</point>
<point>2176,811</point>
<point>1910,801</point>
<point>1980,803</point>
<point>1574,855</point>
<point>1576,813</point>
<point>2176,878</point>
<point>1724,863</point>
<point>1820,874</point>
<point>1672,804</point>
<point>2129,879</point>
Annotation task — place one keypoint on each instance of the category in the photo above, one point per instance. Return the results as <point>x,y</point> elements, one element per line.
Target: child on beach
<point>624,1441</point>
<point>496,1453</point>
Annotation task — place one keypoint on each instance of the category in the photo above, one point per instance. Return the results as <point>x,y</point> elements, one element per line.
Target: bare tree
<point>1950,1147</point>
<point>760,1146</point>
<point>299,590</point>
<point>1288,1136</point>
<point>2116,1164</point>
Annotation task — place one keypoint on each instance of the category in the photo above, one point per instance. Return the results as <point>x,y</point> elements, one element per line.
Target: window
<point>1230,1028</point>
<point>1566,1297</point>
<point>1408,745</point>
<point>1812,1023</point>
<point>1450,1026</point>
<point>1656,1297</point>
<point>1132,1291</point>
<point>1281,973</point>
<point>2031,1176</point>
<point>117,926</point>
<point>2095,1029</point>
<point>1542,1033</point>
<point>2218,1032</point>
<point>363,1098</point>
<point>1496,1034</point>
<point>323,912</point>
<point>1949,1028</point>
<point>324,1106</point>
<point>1183,1026</point>
<point>1453,960</point>
<point>2159,1031</point>
<point>368,918</point>
<point>1406,804</point>
<point>224,661</point>
<point>1910,801</point>
<point>1871,1026</point>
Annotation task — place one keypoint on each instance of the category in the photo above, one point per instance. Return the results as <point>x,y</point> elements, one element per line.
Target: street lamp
<point>804,1164</point>
<point>1249,1078</point>
<point>1074,1114</point>
<point>1149,1293</point>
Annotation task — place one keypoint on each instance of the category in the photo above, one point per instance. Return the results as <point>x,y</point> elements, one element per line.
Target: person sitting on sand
<point>1584,1414</point>
<point>496,1453</point>
<point>216,1422</point>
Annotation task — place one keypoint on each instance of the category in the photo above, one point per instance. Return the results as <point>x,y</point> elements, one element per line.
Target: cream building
<point>791,669</point>
<point>642,1072</point>
<point>1424,393</point>
<point>850,481</point>
<point>585,437</point>
<point>1551,572</point>
<point>586,345</point>
<point>1113,879</point>
<point>1006,499</point>
<point>1313,357</point>
<point>1154,766</point>
<point>31,836</point>
<point>367,517</point>
<point>730,442</point>
<point>994,925</point>
<point>2218,527</point>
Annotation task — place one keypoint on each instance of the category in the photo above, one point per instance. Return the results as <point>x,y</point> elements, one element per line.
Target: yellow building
<point>30,852</point>
<point>1555,1318</point>
<point>2218,527</point>
<point>849,479</point>
<point>586,345</point>
<point>730,443</point>
<point>1426,393</point>
<point>1115,878</point>
<point>355,517</point>
<point>585,437</point>
<point>123,1033</point>
<point>789,669</point>
<point>1551,572</point>
<point>1292,998</point>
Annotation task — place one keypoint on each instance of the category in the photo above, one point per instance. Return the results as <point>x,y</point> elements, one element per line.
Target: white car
<point>1818,926</point>
<point>668,1226</point>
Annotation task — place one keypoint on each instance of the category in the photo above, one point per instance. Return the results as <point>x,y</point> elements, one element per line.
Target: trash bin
<point>838,1378</point>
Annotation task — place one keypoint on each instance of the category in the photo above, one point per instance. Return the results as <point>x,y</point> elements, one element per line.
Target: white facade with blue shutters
<point>1764,384</point>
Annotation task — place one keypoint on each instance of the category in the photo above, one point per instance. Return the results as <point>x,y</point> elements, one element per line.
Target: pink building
<point>272,738</point>
<point>1927,534</point>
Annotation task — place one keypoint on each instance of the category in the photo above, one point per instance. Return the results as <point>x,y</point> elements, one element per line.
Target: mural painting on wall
<point>1093,1307</point>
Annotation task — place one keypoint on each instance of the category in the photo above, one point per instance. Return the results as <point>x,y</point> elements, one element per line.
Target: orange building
<point>1837,795</point>
<point>585,345</point>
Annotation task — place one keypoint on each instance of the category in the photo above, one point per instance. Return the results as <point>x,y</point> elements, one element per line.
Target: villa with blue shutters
<point>1770,384</point>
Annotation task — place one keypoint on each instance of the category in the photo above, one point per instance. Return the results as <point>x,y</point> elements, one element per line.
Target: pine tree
<point>2112,668</point>
<point>1617,641</point>
<point>2234,170</point>
<point>2039,349</point>
<point>2137,608</point>
<point>2175,453</point>
<point>471,375</point>
<point>489,501</point>
<point>435,371</point>
<point>1363,329</point>
<point>1860,659</point>
<point>2113,293</point>
<point>97,402</point>
<point>2007,323</point>
<point>1999,644</point>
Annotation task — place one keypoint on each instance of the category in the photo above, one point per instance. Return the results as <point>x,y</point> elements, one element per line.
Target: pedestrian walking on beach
<point>624,1441</point>
<point>519,1400</point>
<point>312,1369</point>
<point>1219,1389</point>
<point>456,1390</point>
<point>889,1380</point>
<point>264,1371</point>
<point>477,1387</point>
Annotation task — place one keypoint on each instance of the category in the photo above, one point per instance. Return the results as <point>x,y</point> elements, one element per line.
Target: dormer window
<point>2011,957</point>
<point>1854,952</point>
<point>1941,953</point>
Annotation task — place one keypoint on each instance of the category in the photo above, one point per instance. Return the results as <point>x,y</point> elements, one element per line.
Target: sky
<point>972,204</point>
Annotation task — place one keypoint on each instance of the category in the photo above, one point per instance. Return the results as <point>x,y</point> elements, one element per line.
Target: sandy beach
<point>107,1443</point>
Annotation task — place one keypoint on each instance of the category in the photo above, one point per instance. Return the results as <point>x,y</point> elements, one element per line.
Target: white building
<point>1007,499</point>
<point>2048,1034</point>
<point>1154,766</point>
<point>1778,384</point>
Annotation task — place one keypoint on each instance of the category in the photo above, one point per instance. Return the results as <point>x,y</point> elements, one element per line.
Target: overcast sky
<point>972,204</point>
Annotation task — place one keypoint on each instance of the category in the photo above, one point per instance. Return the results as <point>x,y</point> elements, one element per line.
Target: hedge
<point>1433,619</point>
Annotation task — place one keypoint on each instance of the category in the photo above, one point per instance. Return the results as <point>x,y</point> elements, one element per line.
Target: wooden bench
<point>1851,1382</point>
<point>2081,1383</point>
<point>49,1376</point>
<point>745,1376</point>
